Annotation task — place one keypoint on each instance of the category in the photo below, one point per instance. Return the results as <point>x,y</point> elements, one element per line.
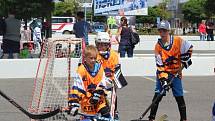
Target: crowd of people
<point>98,73</point>
<point>81,30</point>
<point>206,30</point>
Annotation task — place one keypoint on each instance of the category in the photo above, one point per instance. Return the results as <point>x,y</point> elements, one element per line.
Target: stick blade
<point>162,118</point>
<point>44,115</point>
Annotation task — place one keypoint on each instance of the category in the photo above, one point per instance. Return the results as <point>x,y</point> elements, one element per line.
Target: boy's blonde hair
<point>89,50</point>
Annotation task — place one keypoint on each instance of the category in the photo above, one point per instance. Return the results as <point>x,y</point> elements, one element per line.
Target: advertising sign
<point>120,7</point>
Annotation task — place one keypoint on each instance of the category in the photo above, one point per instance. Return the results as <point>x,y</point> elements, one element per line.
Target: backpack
<point>135,39</point>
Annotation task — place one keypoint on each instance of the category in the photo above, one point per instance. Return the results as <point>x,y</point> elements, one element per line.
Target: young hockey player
<point>88,91</point>
<point>171,52</point>
<point>108,58</point>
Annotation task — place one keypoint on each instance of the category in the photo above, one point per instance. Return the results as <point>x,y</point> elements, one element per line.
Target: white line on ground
<point>153,80</point>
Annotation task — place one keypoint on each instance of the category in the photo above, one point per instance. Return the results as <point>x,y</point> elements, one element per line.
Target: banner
<point>120,7</point>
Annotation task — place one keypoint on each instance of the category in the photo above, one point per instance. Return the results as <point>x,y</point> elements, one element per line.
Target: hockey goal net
<point>58,60</point>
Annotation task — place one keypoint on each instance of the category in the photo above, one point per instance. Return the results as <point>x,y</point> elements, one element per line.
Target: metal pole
<point>85,11</point>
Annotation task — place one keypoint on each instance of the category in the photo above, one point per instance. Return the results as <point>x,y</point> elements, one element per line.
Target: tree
<point>26,9</point>
<point>194,11</point>
<point>209,8</point>
<point>2,8</point>
<point>153,13</point>
<point>66,8</point>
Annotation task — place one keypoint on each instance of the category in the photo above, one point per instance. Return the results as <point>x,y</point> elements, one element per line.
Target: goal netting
<point>58,60</point>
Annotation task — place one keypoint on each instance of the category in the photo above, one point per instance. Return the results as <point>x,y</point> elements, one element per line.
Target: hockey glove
<point>186,59</point>
<point>73,108</point>
<point>96,96</point>
<point>165,83</point>
<point>119,79</point>
<point>108,72</point>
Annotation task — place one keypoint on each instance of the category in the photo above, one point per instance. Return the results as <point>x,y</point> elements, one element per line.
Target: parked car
<point>98,27</point>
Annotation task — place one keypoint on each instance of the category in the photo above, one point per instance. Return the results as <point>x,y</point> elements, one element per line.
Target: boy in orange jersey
<point>110,62</point>
<point>107,56</point>
<point>88,91</point>
<point>171,52</point>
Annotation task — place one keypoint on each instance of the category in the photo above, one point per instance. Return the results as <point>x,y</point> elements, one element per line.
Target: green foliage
<point>67,8</point>
<point>194,11</point>
<point>100,19</point>
<point>2,8</point>
<point>210,8</point>
<point>153,13</point>
<point>27,9</point>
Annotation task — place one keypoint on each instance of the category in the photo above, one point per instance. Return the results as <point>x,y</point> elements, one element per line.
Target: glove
<point>186,59</point>
<point>108,72</point>
<point>165,83</point>
<point>96,96</point>
<point>73,108</point>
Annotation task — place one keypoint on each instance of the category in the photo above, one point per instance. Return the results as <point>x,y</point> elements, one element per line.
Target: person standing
<point>202,30</point>
<point>81,28</point>
<point>125,36</point>
<point>2,26</point>
<point>2,32</point>
<point>209,30</point>
<point>11,38</point>
<point>171,53</point>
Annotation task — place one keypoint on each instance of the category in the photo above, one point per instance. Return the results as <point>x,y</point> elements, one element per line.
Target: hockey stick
<point>30,115</point>
<point>113,102</point>
<point>159,96</point>
<point>163,117</point>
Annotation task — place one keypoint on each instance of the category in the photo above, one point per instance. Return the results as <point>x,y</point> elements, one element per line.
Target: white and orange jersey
<point>63,24</point>
<point>168,58</point>
<point>86,81</point>
<point>109,63</point>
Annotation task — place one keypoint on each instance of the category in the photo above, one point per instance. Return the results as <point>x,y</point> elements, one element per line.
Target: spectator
<point>2,32</point>
<point>37,38</point>
<point>124,44</point>
<point>194,28</point>
<point>209,30</point>
<point>11,38</point>
<point>2,26</point>
<point>81,28</point>
<point>36,27</point>
<point>202,30</point>
<point>25,53</point>
<point>45,28</point>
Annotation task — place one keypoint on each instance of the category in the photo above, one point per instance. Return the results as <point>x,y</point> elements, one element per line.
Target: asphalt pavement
<point>132,100</point>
